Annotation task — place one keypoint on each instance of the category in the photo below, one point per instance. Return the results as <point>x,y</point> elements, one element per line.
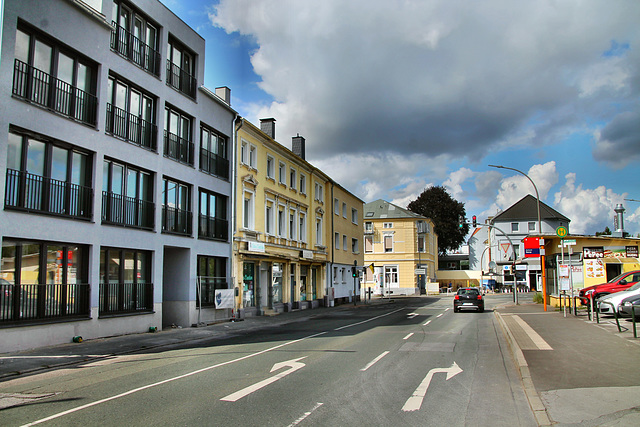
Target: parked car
<point>619,283</point>
<point>468,298</point>
<point>610,303</point>
<point>627,303</point>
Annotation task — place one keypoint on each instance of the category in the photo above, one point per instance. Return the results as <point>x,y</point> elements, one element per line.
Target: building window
<point>213,223</point>
<point>292,224</point>
<point>319,231</point>
<point>252,156</point>
<point>135,38</point>
<point>282,174</point>
<point>282,218</point>
<point>302,234</point>
<point>336,206</point>
<point>181,68</point>
<point>368,227</point>
<point>344,210</point>
<point>54,77</point>
<point>515,227</point>
<point>344,243</point>
<point>248,210</point>
<point>176,212</point>
<point>368,244</point>
<point>43,281</point>
<point>336,241</point>
<point>268,218</point>
<point>354,216</point>
<point>131,114</point>
<point>271,167</point>
<point>388,243</point>
<point>213,152</point>
<point>421,244</point>
<point>318,192</point>
<point>48,176</point>
<point>387,225</point>
<point>212,275</point>
<point>178,138</point>
<point>292,178</point>
<point>532,226</point>
<point>303,184</point>
<point>127,196</point>
<point>125,285</point>
<point>355,247</point>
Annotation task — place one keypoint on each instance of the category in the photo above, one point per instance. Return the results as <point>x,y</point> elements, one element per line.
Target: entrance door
<point>314,283</point>
<point>391,276</point>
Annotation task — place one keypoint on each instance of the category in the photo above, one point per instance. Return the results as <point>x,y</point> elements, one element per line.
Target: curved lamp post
<point>544,276</point>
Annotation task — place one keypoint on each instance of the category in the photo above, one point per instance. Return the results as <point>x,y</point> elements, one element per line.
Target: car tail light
<point>479,297</point>
<point>456,297</point>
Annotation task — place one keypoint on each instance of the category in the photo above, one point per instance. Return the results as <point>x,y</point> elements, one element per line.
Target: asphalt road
<point>415,362</point>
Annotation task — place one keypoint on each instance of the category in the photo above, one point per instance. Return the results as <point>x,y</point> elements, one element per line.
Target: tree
<point>606,232</point>
<point>437,204</point>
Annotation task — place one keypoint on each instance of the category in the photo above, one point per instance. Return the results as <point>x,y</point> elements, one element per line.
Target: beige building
<point>402,247</point>
<point>283,232</point>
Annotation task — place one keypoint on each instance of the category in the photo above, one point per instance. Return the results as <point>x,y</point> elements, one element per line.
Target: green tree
<point>606,232</point>
<point>437,204</point>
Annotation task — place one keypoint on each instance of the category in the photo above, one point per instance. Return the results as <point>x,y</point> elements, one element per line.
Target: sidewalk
<point>575,372</point>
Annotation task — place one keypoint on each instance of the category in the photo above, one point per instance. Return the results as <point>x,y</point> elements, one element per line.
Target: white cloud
<point>514,188</point>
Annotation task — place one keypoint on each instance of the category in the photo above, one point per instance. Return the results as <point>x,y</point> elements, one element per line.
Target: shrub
<point>537,298</point>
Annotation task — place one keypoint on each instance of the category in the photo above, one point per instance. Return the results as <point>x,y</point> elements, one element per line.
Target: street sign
<point>420,271</point>
<point>570,242</point>
<point>562,231</point>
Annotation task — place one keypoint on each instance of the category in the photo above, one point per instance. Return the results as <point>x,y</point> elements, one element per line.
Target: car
<point>619,283</point>
<point>610,303</point>
<point>627,303</point>
<point>468,298</point>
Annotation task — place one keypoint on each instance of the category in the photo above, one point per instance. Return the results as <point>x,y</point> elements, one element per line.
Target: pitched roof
<point>383,209</point>
<point>526,209</point>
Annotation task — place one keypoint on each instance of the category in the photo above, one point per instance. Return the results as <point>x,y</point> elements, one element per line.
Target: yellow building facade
<point>401,246</point>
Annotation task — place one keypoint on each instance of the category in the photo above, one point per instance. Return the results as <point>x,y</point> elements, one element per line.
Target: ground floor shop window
<point>277,282</point>
<point>42,280</point>
<point>212,275</point>
<point>249,284</point>
<point>125,285</point>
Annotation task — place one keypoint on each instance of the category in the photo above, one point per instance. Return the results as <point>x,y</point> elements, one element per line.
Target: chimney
<point>297,146</point>
<point>618,221</point>
<point>224,93</point>
<point>268,126</point>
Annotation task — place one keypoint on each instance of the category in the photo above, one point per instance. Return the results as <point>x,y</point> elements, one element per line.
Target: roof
<point>526,209</point>
<point>382,209</point>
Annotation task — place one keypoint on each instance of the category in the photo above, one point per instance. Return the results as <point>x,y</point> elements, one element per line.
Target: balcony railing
<point>178,148</point>
<point>206,288</point>
<point>176,221</point>
<point>125,298</point>
<point>42,89</point>
<point>127,211</point>
<point>130,127</point>
<point>214,164</point>
<point>213,228</point>
<point>181,79</point>
<point>24,303</point>
<point>135,50</point>
<point>35,193</point>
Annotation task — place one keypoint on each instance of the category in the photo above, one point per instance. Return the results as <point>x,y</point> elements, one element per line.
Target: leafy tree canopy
<point>606,232</point>
<point>437,204</point>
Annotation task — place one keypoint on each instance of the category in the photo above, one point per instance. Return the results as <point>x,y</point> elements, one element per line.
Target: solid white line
<point>427,322</point>
<point>306,414</point>
<point>447,309</point>
<point>368,320</point>
<point>537,339</point>
<point>408,336</point>
<point>135,390</point>
<point>374,361</point>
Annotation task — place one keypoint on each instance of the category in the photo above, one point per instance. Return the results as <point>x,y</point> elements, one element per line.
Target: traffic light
<point>354,271</point>
<point>475,222</point>
<point>461,221</point>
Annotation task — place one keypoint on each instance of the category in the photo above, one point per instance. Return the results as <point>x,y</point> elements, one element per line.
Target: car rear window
<point>468,292</point>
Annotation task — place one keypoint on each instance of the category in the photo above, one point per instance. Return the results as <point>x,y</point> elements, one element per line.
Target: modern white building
<point>116,167</point>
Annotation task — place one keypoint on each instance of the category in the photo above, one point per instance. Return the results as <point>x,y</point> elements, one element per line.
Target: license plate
<point>467,303</point>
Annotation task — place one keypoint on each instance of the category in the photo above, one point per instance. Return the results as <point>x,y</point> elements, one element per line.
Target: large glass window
<point>212,275</point>
<point>213,222</point>
<point>213,152</point>
<point>127,196</point>
<point>131,114</point>
<point>42,280</point>
<point>47,176</point>
<point>176,209</point>
<point>125,281</point>
<point>48,74</point>
<point>181,68</point>
<point>178,143</point>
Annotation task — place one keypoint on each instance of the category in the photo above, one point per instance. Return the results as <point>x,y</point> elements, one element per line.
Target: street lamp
<point>544,276</point>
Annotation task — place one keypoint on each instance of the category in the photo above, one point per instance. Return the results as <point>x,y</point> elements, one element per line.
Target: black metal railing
<point>40,194</point>
<point>178,148</point>
<point>23,303</point>
<point>213,228</point>
<point>127,211</point>
<point>176,221</point>
<point>47,91</point>
<point>134,49</point>
<point>134,129</point>
<point>181,79</point>
<point>123,298</point>
<point>206,288</point>
<point>214,164</point>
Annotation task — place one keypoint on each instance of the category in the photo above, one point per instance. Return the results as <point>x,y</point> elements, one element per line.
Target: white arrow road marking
<point>412,315</point>
<point>293,365</point>
<point>415,401</point>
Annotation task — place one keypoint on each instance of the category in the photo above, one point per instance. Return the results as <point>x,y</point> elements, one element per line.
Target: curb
<point>535,403</point>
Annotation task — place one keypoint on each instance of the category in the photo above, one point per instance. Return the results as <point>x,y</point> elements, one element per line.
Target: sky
<point>395,96</point>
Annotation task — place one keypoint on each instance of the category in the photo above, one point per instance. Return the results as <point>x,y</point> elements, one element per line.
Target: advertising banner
<point>224,298</point>
<point>531,247</point>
